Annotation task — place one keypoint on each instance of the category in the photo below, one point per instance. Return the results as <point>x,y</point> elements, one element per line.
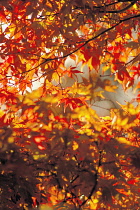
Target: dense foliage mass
<point>55,151</point>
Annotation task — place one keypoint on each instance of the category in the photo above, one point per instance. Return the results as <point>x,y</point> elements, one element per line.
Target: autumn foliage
<point>56,153</point>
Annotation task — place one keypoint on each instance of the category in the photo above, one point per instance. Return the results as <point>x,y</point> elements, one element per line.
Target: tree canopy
<point>56,153</point>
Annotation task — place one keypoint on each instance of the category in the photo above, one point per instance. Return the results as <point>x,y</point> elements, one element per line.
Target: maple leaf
<point>72,71</point>
<point>72,102</point>
<point>55,151</point>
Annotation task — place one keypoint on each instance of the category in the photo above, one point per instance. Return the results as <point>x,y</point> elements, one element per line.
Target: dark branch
<point>86,42</point>
<point>121,10</point>
<point>92,191</point>
<point>107,5</point>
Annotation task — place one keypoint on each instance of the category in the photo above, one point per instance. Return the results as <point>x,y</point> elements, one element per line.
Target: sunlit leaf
<point>69,105</point>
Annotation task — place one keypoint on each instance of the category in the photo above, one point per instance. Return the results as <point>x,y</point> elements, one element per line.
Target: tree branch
<point>109,11</point>
<point>92,190</point>
<point>121,10</point>
<point>86,42</point>
<point>93,38</point>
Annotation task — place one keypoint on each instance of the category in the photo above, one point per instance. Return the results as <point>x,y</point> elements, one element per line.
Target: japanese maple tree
<point>55,151</point>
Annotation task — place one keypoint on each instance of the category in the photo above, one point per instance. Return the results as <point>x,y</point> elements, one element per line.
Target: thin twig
<point>74,51</point>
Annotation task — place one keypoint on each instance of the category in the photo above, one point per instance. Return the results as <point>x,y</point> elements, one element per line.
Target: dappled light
<point>69,105</point>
